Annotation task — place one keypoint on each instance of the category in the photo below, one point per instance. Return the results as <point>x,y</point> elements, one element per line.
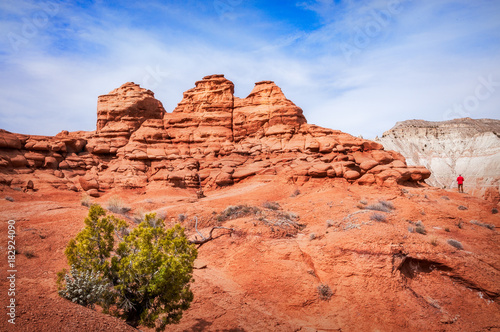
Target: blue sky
<point>357,66</point>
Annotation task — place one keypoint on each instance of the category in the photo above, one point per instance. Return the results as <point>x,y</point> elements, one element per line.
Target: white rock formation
<point>460,146</point>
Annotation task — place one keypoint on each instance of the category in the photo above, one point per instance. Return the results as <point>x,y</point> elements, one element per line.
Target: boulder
<point>9,140</point>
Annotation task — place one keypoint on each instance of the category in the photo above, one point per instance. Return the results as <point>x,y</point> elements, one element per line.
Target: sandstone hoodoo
<point>211,139</point>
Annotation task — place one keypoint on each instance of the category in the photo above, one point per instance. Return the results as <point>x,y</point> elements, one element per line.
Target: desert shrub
<point>420,230</point>
<point>377,207</point>
<point>29,254</point>
<point>238,211</point>
<point>445,198</point>
<point>460,224</point>
<point>86,200</point>
<point>181,217</point>
<point>378,217</point>
<point>447,229</point>
<point>456,244</point>
<point>461,207</point>
<point>411,229</point>
<point>383,206</point>
<point>312,236</point>
<point>271,205</point>
<point>489,226</point>
<point>10,199</point>
<point>85,288</point>
<point>493,211</point>
<point>295,193</point>
<point>139,216</point>
<point>364,202</point>
<point>289,215</point>
<point>330,223</point>
<point>162,215</point>
<point>147,275</point>
<point>116,205</point>
<point>324,292</point>
<point>351,225</point>
<point>419,223</point>
<point>433,241</point>
<point>387,204</point>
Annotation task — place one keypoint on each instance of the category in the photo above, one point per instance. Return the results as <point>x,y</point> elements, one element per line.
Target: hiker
<point>460,181</point>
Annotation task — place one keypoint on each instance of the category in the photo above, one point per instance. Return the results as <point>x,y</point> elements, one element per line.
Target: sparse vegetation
<point>494,211</point>
<point>161,215</point>
<point>433,241</point>
<point>445,198</point>
<point>460,224</point>
<point>378,217</point>
<point>329,223</point>
<point>312,236</point>
<point>387,204</point>
<point>271,205</point>
<point>461,207</point>
<point>364,202</point>
<point>489,226</point>
<point>420,230</point>
<point>295,193</point>
<point>383,206</point>
<point>10,199</point>
<point>86,200</point>
<point>411,229</point>
<point>139,216</point>
<point>456,244</point>
<point>238,211</point>
<point>447,229</point>
<point>85,288</point>
<point>181,217</point>
<point>351,225</point>
<point>29,254</point>
<point>145,278</point>
<point>116,205</point>
<point>325,292</point>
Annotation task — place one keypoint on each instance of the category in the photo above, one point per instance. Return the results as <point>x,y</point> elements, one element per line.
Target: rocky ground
<point>397,274</point>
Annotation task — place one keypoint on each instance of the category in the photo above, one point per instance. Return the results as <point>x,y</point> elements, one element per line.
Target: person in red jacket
<point>460,181</point>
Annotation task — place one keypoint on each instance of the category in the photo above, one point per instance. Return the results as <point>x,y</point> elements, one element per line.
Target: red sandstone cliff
<point>212,138</point>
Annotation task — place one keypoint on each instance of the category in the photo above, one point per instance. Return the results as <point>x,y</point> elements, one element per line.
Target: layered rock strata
<point>460,146</point>
<point>211,139</point>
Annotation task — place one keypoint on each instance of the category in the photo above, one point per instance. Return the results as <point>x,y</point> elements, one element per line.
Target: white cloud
<point>426,59</point>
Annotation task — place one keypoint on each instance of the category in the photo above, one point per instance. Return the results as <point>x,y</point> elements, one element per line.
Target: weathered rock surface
<point>212,138</point>
<point>461,146</point>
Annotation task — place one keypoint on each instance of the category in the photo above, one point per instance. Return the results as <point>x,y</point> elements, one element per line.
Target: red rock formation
<point>119,114</point>
<point>210,139</point>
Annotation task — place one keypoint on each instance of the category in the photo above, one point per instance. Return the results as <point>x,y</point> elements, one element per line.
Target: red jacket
<point>460,180</point>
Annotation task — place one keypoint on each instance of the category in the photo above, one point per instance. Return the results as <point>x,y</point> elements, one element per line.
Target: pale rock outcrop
<point>449,148</point>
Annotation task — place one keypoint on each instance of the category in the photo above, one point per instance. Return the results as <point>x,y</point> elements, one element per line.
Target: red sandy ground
<point>260,279</point>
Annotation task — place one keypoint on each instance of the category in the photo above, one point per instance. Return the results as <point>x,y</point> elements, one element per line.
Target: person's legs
<point>460,188</point>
